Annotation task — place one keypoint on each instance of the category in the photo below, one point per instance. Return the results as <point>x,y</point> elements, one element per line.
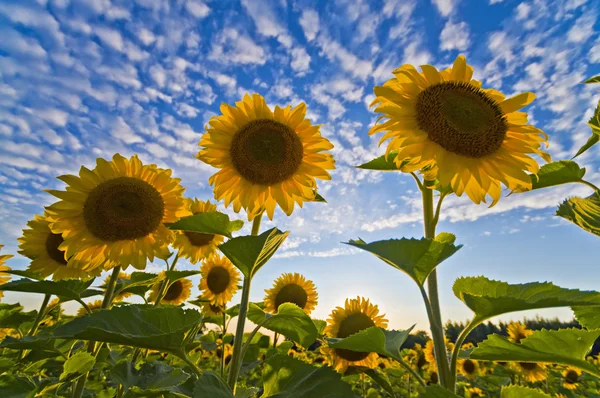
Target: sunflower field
<point>451,134</point>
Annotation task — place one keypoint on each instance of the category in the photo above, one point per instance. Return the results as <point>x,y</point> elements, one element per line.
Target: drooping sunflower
<point>267,158</point>
<point>471,138</point>
<point>176,293</point>
<point>473,392</point>
<point>92,305</point>
<point>116,212</point>
<point>517,332</point>
<point>356,315</point>
<point>123,276</point>
<point>291,288</point>
<point>41,245</point>
<point>571,377</point>
<point>468,368</point>
<point>219,280</point>
<point>209,309</point>
<point>531,371</point>
<point>3,276</point>
<point>197,246</point>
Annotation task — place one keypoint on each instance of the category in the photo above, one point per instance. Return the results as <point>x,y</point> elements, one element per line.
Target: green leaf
<point>591,80</point>
<point>381,379</point>
<point>593,140</point>
<point>17,387</point>
<point>594,124</point>
<point>488,298</point>
<point>211,385</point>
<point>12,316</point>
<point>287,377</point>
<point>319,198</point>
<point>381,164</point>
<point>415,257</point>
<point>557,173</point>
<point>211,222</point>
<point>320,325</point>
<point>138,283</point>
<point>6,364</point>
<point>564,346</point>
<point>436,391</point>
<point>25,273</point>
<point>163,328</point>
<point>152,377</point>
<point>588,317</point>
<point>585,213</point>
<point>77,365</point>
<point>250,253</point>
<point>374,339</point>
<point>290,321</point>
<point>522,392</point>
<point>66,289</point>
<point>40,342</point>
<point>173,276</point>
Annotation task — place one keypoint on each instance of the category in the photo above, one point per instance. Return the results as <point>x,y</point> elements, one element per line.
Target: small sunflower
<point>219,280</point>
<point>429,352</point>
<point>473,392</point>
<point>4,277</point>
<point>291,288</point>
<point>517,332</point>
<point>116,212</point>
<point>356,315</point>
<point>531,371</point>
<point>92,305</point>
<point>177,292</point>
<point>571,378</point>
<point>209,309</point>
<point>267,158</point>
<point>226,350</point>
<point>468,368</point>
<point>432,376</point>
<point>121,296</point>
<point>197,246</point>
<point>470,138</point>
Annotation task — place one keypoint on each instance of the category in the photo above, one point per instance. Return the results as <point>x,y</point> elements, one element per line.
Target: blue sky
<point>84,79</point>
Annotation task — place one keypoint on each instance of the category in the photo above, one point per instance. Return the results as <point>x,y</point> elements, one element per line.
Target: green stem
<point>589,184</point>
<point>412,372</point>
<point>457,347</point>
<point>236,360</point>
<point>223,332</point>
<point>40,315</point>
<point>251,336</point>
<point>189,362</point>
<point>163,285</point>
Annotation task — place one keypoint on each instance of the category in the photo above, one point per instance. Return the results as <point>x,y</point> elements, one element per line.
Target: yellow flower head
<point>219,280</point>
<point>517,332</point>
<point>92,305</point>
<point>531,371</point>
<point>571,377</point>
<point>291,288</point>
<point>468,368</point>
<point>4,277</point>
<point>473,392</point>
<point>197,246</point>
<point>474,137</point>
<point>227,351</point>
<point>267,158</point>
<point>176,293</point>
<point>115,213</point>
<point>211,310</point>
<point>356,315</point>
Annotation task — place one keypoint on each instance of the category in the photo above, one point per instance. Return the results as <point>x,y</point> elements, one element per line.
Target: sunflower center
<point>52,243</point>
<point>350,325</point>
<point>528,365</point>
<point>571,377</point>
<point>519,336</point>
<point>291,293</point>
<point>217,280</point>
<point>469,366</point>
<point>124,208</point>
<point>266,152</point>
<point>461,118</point>
<point>174,291</point>
<point>198,239</point>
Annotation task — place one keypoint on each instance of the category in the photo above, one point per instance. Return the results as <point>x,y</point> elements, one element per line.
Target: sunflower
<point>123,276</point>
<point>177,293</point>
<point>468,368</point>
<point>473,392</point>
<point>470,138</point>
<point>517,332</point>
<point>93,306</point>
<point>531,371</point>
<point>197,246</point>
<point>429,351</point>
<point>40,244</point>
<point>356,315</point>
<point>209,309</point>
<point>219,280</point>
<point>432,376</point>
<point>4,277</point>
<point>291,288</point>
<point>571,378</point>
<point>116,212</point>
<point>228,350</point>
<point>267,158</point>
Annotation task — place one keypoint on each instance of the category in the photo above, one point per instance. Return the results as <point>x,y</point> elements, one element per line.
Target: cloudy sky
<point>84,79</point>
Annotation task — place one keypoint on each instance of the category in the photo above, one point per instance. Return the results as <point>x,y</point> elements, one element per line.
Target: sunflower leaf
<point>287,377</point>
<point>211,385</point>
<point>173,276</point>
<point>564,346</point>
<point>77,365</point>
<point>583,212</point>
<point>290,321</point>
<point>138,283</point>
<point>66,289</point>
<point>557,173</point>
<point>373,339</point>
<point>515,391</point>
<point>437,391</point>
<point>381,379</point>
<point>381,163</point>
<point>588,317</point>
<point>593,140</point>
<point>12,316</point>
<point>25,273</point>
<point>415,257</point>
<point>488,298</point>
<point>145,326</point>
<point>210,222</point>
<point>152,378</point>
<point>591,80</point>
<point>250,253</point>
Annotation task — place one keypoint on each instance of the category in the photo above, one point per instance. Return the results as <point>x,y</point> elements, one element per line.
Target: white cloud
<point>110,37</point>
<point>146,36</point>
<point>122,131</point>
<point>158,74</point>
<point>17,44</point>
<point>300,60</point>
<point>197,8</point>
<point>224,80</point>
<point>157,150</point>
<point>349,62</point>
<point>234,47</point>
<point>54,116</point>
<point>310,23</point>
<point>523,11</point>
<point>416,54</point>
<point>445,7</point>
<point>582,29</point>
<point>186,110</point>
<point>33,17</point>
<point>454,36</point>
<point>266,20</point>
